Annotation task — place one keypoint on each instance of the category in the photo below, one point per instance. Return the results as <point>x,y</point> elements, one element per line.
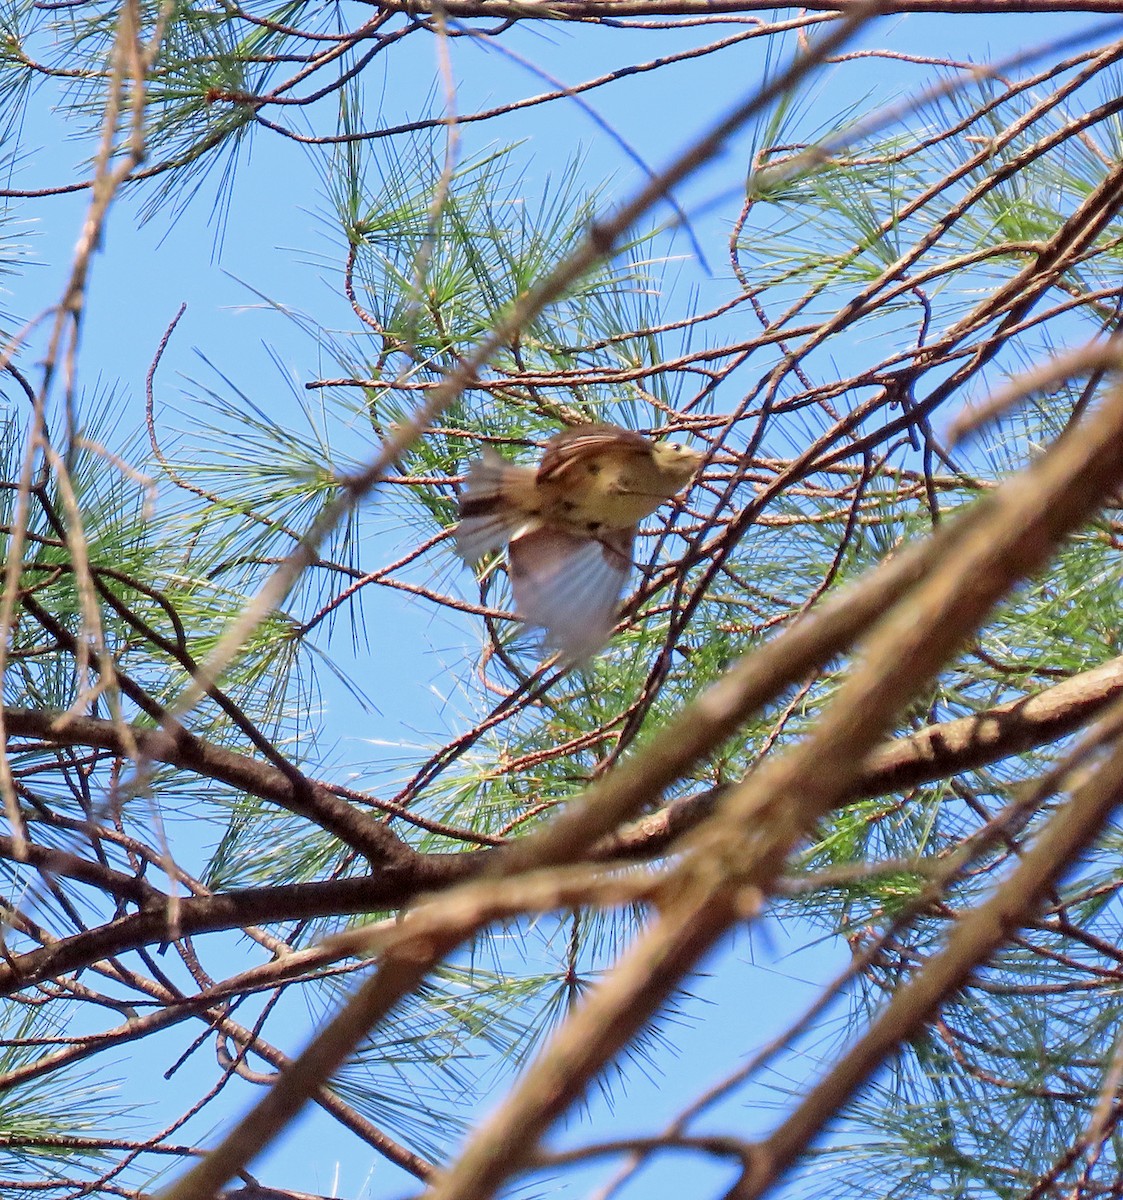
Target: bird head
<point>676,461</point>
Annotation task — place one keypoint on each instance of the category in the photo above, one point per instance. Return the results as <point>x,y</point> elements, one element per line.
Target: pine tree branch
<point>179,748</point>
<point>932,753</point>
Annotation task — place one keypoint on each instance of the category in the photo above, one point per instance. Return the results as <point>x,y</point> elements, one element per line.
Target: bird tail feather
<point>487,521</point>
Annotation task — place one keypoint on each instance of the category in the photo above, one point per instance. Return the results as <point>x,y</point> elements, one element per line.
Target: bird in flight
<point>569,524</point>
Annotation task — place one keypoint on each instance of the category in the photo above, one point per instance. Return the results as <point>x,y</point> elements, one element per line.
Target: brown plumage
<point>569,524</point>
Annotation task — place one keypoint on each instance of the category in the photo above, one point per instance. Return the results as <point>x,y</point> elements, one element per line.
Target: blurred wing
<point>475,536</point>
<point>569,585</point>
<point>487,520</point>
<point>571,446</point>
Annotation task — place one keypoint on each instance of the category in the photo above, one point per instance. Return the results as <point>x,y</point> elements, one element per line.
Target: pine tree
<point>858,721</point>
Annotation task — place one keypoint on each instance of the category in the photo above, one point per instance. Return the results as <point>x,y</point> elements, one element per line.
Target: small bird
<point>569,524</point>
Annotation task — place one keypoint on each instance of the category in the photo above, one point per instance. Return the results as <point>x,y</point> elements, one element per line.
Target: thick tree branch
<point>178,748</point>
<point>392,888</point>
<point>935,752</point>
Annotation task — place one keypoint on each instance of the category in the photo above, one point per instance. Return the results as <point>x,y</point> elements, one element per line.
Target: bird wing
<point>568,448</point>
<point>570,585</point>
